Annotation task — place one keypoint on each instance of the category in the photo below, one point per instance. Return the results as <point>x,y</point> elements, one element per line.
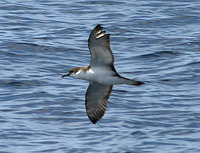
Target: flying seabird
<point>101,73</point>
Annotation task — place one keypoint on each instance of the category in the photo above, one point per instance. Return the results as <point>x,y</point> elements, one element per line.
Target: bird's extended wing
<point>96,100</point>
<point>99,45</point>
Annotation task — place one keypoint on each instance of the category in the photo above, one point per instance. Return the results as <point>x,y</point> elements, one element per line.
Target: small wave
<point>21,83</point>
<point>193,63</point>
<point>159,54</point>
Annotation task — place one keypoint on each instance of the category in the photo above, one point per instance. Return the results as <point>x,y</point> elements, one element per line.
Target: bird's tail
<point>136,83</point>
<point>131,82</point>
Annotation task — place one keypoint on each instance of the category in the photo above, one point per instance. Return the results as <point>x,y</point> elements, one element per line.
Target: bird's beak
<point>65,75</point>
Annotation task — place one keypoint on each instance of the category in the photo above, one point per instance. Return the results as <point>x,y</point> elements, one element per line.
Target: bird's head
<point>75,72</point>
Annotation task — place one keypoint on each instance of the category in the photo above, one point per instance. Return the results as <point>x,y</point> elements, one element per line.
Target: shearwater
<point>101,73</point>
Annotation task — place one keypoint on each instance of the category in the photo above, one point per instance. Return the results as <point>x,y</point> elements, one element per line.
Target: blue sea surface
<point>157,42</point>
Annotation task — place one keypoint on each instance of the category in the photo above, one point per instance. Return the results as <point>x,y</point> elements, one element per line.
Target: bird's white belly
<point>103,78</point>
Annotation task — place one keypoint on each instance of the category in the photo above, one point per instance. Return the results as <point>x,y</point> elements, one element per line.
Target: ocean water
<point>157,42</point>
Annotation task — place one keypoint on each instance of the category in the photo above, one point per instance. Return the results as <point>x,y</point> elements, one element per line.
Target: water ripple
<point>41,112</point>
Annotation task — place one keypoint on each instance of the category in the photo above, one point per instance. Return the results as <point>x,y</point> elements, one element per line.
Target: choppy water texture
<point>157,42</point>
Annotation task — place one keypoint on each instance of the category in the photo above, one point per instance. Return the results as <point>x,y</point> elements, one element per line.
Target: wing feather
<point>99,46</point>
<point>96,100</point>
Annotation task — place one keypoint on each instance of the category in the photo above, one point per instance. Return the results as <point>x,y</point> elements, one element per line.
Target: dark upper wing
<point>99,45</point>
<point>96,100</point>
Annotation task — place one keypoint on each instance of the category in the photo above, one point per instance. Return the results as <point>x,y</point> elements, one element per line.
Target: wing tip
<point>94,121</point>
<point>98,25</point>
<point>95,115</point>
<point>98,28</point>
<point>98,32</point>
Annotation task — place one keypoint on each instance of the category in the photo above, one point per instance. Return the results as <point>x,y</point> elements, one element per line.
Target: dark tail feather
<point>136,83</point>
<point>130,81</point>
